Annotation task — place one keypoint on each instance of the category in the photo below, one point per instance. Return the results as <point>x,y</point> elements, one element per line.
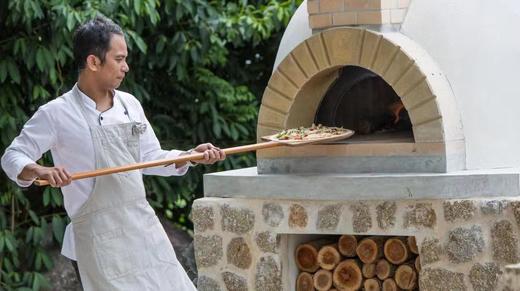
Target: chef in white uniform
<point>114,236</point>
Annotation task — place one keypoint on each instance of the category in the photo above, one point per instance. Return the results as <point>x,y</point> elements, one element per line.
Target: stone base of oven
<point>248,244</point>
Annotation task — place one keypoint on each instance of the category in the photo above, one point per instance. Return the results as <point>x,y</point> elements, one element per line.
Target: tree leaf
<point>137,7</point>
<point>46,196</point>
<point>57,197</point>
<point>58,228</point>
<point>34,217</point>
<point>13,72</point>
<point>40,59</point>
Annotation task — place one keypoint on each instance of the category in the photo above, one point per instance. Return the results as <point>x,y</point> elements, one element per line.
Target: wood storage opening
<point>353,262</point>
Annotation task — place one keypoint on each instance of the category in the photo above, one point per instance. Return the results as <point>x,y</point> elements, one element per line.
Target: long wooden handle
<point>179,159</point>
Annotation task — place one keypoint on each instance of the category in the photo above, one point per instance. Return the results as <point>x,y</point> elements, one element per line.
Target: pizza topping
<point>313,132</point>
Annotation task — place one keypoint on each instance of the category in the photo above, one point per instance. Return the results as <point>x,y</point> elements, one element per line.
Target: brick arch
<point>410,71</point>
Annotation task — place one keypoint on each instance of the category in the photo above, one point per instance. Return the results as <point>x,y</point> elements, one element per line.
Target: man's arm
<point>212,154</point>
<point>37,137</point>
<point>57,176</point>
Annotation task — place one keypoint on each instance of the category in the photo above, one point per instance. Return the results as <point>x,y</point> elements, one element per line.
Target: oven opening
<point>362,101</point>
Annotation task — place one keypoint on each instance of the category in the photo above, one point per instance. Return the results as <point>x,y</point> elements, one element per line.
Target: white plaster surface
<point>247,183</point>
<point>475,44</point>
<point>296,32</point>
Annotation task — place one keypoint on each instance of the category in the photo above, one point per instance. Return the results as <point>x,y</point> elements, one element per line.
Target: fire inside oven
<point>362,101</point>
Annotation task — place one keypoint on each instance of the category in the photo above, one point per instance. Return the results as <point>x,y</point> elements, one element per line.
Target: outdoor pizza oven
<point>359,78</point>
<point>435,158</point>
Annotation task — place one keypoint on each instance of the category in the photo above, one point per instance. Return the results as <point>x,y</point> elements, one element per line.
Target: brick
<point>369,17</point>
<point>320,20</point>
<point>369,49</point>
<point>362,4</point>
<point>343,45</point>
<point>384,56</point>
<point>292,70</point>
<point>313,7</point>
<point>302,55</point>
<point>270,117</point>
<point>411,78</point>
<point>274,100</point>
<point>281,84</point>
<point>374,17</point>
<point>318,51</point>
<point>429,132</point>
<point>331,5</point>
<point>398,67</point>
<point>344,18</point>
<point>425,112</point>
<point>418,95</point>
<point>389,4</point>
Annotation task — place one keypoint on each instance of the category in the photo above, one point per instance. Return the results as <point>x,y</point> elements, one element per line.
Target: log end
<point>322,280</point>
<point>304,282</point>
<point>347,275</point>
<point>406,277</point>
<point>306,257</point>
<point>396,251</point>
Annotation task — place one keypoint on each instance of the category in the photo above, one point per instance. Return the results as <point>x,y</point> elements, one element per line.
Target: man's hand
<point>57,176</point>
<point>211,153</point>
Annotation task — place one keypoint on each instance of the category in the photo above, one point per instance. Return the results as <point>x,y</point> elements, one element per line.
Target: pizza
<point>311,133</point>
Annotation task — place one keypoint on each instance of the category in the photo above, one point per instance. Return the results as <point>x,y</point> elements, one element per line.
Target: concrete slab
<point>247,183</point>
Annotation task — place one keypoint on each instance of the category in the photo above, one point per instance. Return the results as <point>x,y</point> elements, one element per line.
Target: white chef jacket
<point>60,127</point>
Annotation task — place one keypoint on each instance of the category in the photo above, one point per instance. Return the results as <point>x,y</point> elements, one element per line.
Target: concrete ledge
<point>247,183</point>
<point>354,164</point>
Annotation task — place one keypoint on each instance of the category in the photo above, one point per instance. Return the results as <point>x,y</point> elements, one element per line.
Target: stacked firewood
<point>358,263</point>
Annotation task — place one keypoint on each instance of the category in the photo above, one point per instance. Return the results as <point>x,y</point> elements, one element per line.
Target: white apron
<point>120,243</point>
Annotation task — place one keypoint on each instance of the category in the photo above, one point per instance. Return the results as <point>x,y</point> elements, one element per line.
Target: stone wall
<point>241,244</point>
<point>330,13</point>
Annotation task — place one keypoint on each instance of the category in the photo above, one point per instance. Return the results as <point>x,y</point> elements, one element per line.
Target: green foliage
<point>199,68</point>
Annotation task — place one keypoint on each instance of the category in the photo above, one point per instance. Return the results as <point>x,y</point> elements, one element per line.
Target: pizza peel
<point>271,141</point>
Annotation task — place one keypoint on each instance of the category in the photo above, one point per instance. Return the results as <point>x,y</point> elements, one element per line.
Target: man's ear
<point>93,63</point>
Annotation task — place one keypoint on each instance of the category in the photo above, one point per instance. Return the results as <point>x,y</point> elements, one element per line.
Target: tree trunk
<point>370,249</point>
<point>384,269</point>
<point>322,280</point>
<point>406,276</point>
<point>369,270</point>
<point>396,250</point>
<point>412,245</point>
<point>347,275</point>
<point>329,257</point>
<point>372,285</point>
<point>390,285</point>
<point>347,245</point>
<point>304,282</point>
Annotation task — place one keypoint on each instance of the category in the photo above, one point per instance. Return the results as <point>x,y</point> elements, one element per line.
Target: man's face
<point>112,72</point>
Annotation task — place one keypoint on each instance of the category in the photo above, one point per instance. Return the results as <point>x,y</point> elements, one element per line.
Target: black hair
<point>93,38</point>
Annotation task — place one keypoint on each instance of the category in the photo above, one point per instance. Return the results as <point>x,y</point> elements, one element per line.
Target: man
<point>115,236</point>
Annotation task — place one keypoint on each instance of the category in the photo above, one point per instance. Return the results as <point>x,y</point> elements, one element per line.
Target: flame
<point>396,109</point>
